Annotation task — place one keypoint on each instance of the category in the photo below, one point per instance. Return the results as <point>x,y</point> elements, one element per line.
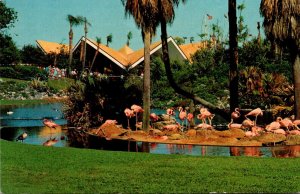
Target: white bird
<point>10,112</point>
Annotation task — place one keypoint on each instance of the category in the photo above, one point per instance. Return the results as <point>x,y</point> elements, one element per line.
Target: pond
<point>29,119</point>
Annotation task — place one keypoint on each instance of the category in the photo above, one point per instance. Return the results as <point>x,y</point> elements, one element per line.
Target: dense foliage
<point>96,99</point>
<point>23,72</point>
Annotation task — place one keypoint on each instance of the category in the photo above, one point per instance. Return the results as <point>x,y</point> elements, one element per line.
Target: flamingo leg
<point>128,123</point>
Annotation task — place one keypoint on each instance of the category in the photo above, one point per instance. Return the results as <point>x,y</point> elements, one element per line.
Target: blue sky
<point>46,20</point>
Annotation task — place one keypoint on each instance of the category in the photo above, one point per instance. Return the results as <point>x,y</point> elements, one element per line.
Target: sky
<point>47,20</point>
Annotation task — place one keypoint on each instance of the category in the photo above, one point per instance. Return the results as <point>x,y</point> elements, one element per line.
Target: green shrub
<point>8,72</point>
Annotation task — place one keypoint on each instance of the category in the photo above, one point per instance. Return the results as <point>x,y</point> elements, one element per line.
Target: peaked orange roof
<point>52,47</point>
<point>126,50</point>
<point>190,49</point>
<point>125,57</point>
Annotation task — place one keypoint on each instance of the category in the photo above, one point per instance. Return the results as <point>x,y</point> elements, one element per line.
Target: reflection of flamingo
<point>129,113</point>
<point>136,109</point>
<point>50,142</point>
<point>22,137</point>
<point>256,112</point>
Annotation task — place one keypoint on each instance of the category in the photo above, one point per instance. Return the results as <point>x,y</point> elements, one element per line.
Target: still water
<point>29,119</point>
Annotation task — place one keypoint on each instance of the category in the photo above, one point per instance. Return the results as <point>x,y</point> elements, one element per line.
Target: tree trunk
<point>70,52</point>
<point>233,49</point>
<point>95,56</point>
<point>146,89</point>
<point>296,69</point>
<point>177,89</point>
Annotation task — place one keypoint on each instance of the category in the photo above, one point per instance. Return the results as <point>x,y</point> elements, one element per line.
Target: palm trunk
<point>146,90</point>
<point>95,56</point>
<point>233,49</point>
<point>296,68</point>
<point>172,82</point>
<point>70,52</point>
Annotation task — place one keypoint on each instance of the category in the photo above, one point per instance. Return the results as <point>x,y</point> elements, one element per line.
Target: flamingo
<point>136,109</point>
<point>170,112</point>
<point>22,137</point>
<point>274,125</point>
<point>256,112</point>
<point>50,123</point>
<point>286,123</point>
<point>153,118</point>
<point>247,123</point>
<point>182,114</point>
<point>190,118</point>
<point>129,113</point>
<point>205,114</point>
<point>235,114</point>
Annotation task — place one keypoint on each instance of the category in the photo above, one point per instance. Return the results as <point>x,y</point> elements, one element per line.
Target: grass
<point>21,102</point>
<point>60,84</point>
<point>37,169</point>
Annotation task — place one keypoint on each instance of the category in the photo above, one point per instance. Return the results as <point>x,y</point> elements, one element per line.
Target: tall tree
<point>129,37</point>
<point>109,39</point>
<point>145,15</point>
<point>281,24</point>
<point>233,52</point>
<point>98,40</point>
<point>166,15</point>
<point>73,21</point>
<point>86,23</point>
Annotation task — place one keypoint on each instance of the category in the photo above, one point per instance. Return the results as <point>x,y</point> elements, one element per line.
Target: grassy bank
<point>36,169</point>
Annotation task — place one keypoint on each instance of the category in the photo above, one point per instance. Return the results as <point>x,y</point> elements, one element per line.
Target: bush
<point>8,72</point>
<point>23,72</point>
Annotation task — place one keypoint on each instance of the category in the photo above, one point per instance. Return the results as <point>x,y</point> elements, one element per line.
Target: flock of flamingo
<point>279,126</point>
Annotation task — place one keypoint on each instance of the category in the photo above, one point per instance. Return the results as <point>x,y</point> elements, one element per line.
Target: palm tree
<point>233,52</point>
<point>109,39</point>
<point>84,21</point>
<point>98,40</point>
<point>145,15</point>
<point>129,37</point>
<point>281,24</point>
<point>167,14</point>
<point>73,21</point>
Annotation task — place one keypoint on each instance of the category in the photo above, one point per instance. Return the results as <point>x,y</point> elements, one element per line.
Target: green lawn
<point>37,169</point>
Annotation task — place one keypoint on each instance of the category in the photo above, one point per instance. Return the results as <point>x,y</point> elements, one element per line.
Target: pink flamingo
<point>153,118</point>
<point>205,114</point>
<point>50,123</point>
<point>256,112</point>
<point>136,109</point>
<point>235,114</point>
<point>247,124</point>
<point>129,113</point>
<point>190,118</point>
<point>286,123</point>
<point>170,112</point>
<point>182,115</point>
<point>274,125</point>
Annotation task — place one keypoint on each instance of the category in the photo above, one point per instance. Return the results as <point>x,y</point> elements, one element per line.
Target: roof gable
<point>52,47</point>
